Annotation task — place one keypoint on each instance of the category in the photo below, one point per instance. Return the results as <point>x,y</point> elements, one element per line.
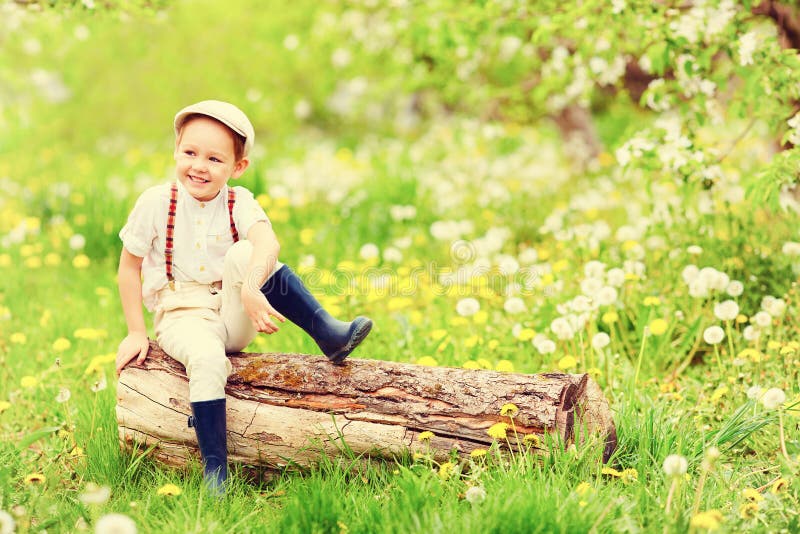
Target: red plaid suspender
<point>231,202</point>
<point>173,208</point>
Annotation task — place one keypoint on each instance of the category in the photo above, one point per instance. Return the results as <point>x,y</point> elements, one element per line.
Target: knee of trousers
<point>208,374</point>
<point>238,256</point>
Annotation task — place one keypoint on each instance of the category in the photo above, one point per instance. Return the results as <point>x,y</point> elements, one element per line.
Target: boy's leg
<point>196,341</point>
<point>286,293</point>
<point>240,331</point>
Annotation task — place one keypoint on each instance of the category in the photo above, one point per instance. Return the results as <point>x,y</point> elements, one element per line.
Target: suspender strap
<point>231,202</point>
<point>173,209</point>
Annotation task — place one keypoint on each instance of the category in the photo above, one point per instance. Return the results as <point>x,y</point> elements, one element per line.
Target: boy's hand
<point>259,310</point>
<point>134,344</point>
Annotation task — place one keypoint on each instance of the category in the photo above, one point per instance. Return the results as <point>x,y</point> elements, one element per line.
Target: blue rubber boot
<point>337,339</point>
<point>209,424</point>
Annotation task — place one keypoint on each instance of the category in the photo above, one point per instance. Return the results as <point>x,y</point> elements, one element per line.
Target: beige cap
<point>228,114</point>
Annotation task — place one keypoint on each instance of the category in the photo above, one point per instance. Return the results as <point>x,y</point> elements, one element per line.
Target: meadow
<point>472,239</point>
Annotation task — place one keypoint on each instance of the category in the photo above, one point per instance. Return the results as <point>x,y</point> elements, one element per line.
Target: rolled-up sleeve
<point>139,231</point>
<point>247,211</point>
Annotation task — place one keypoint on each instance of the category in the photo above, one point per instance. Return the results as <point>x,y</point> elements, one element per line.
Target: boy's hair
<point>238,140</point>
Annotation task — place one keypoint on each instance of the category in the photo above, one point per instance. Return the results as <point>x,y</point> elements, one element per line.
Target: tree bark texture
<point>289,409</point>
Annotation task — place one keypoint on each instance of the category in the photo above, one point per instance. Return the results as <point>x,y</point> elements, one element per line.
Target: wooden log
<point>289,409</point>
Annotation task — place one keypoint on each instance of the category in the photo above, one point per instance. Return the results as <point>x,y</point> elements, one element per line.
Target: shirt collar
<point>184,195</point>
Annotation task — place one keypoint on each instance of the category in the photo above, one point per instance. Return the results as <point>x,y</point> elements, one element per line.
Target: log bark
<point>289,409</point>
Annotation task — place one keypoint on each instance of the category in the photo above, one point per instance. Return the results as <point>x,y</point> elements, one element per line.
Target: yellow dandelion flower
<point>34,262</point>
<point>90,333</point>
<point>750,354</point>
<point>779,486</point>
<point>583,488</point>
<point>719,393</point>
<point>710,520</point>
<point>34,478</point>
<point>29,381</point>
<point>509,410</point>
<point>471,364</point>
<point>484,363</point>
<point>426,436</point>
<point>307,236</point>
<point>752,495</point>
<point>773,345</point>
<point>52,259</point>
<point>492,344</point>
<point>629,475</point>
<point>102,291</point>
<point>61,344</point>
<point>741,318</point>
<point>438,334</point>
<point>427,361</point>
<point>505,366</point>
<point>658,327</point>
<point>498,430</point>
<point>567,362</point>
<point>457,321</point>
<point>748,510</point>
<point>611,472</point>
<point>480,317</point>
<point>651,301</point>
<point>169,489</point>
<point>473,341</point>
<point>418,456</point>
<point>18,338</point>
<point>44,320</point>
<point>81,261</point>
<point>786,350</point>
<point>4,405</point>
<point>446,470</point>
<point>610,317</point>
<point>532,440</point>
<point>5,260</point>
<point>478,453</point>
<point>526,334</point>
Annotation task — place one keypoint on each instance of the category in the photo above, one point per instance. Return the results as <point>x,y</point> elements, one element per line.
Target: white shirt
<point>202,235</point>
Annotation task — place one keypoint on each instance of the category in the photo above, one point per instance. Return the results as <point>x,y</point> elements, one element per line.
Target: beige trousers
<point>196,324</point>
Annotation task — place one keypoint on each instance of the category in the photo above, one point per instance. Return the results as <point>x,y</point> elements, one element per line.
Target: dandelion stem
<point>719,361</point>
<point>730,339</point>
<point>672,488</point>
<point>699,492</point>
<point>782,436</point>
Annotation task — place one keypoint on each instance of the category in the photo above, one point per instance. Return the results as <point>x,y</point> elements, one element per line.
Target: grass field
<point>470,243</point>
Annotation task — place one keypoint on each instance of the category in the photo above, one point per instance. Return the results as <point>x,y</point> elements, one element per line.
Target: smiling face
<point>205,157</point>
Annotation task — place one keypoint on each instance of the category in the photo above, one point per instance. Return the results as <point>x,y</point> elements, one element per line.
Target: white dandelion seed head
<point>751,333</point>
<point>726,310</point>
<point>63,395</point>
<point>713,335</point>
<point>754,392</point>
<point>735,288</point>
<point>115,524</point>
<point>675,465</point>
<point>475,494</point>
<point>773,398</point>
<point>600,341</point>
<point>467,307</point>
<point>514,305</point>
<point>544,344</point>
<point>762,319</point>
<point>7,523</point>
<point>370,251</point>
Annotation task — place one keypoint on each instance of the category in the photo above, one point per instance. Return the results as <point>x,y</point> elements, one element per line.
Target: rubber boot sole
<point>361,331</point>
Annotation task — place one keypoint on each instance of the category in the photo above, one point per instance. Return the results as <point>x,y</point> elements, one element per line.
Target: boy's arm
<point>129,279</point>
<point>262,262</point>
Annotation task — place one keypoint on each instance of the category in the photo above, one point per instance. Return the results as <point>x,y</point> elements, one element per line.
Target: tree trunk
<point>289,409</point>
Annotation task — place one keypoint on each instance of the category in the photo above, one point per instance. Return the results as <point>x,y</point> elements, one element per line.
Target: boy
<point>211,292</point>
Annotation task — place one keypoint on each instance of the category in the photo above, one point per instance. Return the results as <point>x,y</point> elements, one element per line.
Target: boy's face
<point>205,158</point>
